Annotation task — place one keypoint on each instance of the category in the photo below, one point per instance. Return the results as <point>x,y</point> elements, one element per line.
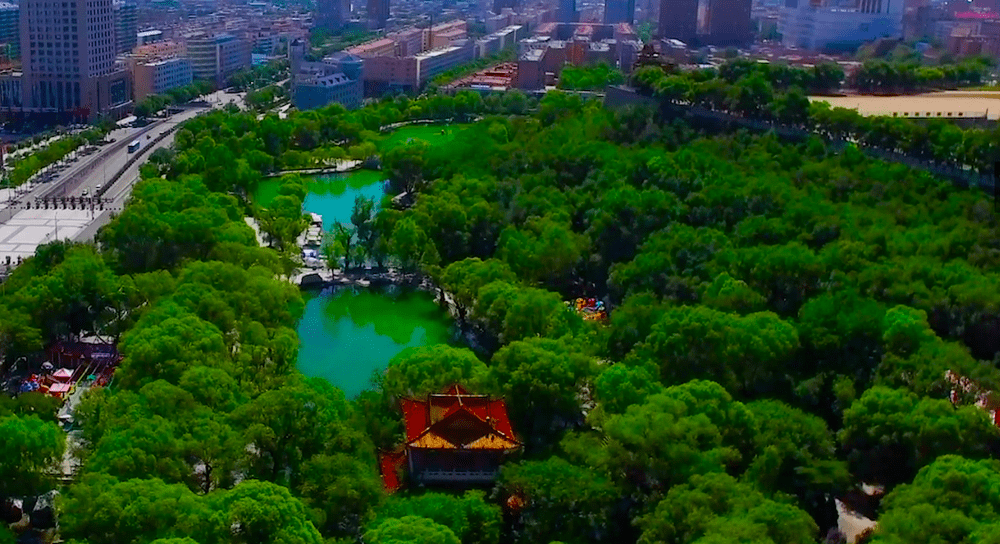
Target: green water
<point>349,334</point>
<point>331,195</point>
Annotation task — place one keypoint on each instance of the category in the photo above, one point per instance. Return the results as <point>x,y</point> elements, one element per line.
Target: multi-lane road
<point>67,207</point>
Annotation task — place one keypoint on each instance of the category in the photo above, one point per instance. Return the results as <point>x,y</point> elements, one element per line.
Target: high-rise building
<point>619,11</point>
<point>332,14</point>
<point>10,32</point>
<point>126,26</point>
<point>566,12</point>
<point>68,52</point>
<point>679,20</point>
<point>832,25</point>
<point>217,57</point>
<point>500,5</point>
<point>729,22</point>
<point>378,13</point>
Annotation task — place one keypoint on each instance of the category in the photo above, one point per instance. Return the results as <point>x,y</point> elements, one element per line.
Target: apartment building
<point>437,61</point>
<point>217,57</point>
<point>149,36</point>
<point>336,79</point>
<point>159,50</point>
<point>159,76</point>
<point>505,38</point>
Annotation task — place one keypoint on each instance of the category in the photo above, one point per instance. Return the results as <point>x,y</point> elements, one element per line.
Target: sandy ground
<point>851,523</point>
<point>946,104</point>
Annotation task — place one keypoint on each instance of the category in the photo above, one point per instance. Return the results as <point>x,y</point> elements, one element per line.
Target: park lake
<point>347,334</point>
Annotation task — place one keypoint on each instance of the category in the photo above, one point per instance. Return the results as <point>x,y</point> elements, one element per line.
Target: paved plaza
<point>30,228</point>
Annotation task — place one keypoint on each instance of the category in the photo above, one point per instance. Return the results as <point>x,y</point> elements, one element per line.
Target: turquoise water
<point>331,195</point>
<point>349,334</point>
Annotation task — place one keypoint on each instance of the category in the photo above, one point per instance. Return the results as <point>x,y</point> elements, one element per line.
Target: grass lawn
<point>427,133</point>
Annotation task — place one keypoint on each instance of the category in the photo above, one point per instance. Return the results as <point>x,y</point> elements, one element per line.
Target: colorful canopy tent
<point>59,390</point>
<point>62,375</point>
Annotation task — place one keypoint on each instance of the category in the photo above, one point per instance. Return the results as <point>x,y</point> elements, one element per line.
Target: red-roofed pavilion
<point>452,437</point>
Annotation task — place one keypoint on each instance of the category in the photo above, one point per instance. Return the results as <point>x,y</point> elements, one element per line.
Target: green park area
<point>435,135</point>
<point>788,318</point>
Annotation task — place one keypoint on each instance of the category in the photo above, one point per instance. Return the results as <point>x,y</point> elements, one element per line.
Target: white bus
<point>134,146</point>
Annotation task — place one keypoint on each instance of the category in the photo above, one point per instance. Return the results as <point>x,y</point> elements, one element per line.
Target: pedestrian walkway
<point>31,228</point>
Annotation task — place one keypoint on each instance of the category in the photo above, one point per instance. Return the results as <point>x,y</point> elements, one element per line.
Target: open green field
<point>432,134</point>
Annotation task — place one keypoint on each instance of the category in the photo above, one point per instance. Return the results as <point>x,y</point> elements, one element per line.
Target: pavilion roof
<point>456,419</point>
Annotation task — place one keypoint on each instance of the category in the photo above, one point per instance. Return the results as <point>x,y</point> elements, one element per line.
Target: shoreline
<point>370,278</point>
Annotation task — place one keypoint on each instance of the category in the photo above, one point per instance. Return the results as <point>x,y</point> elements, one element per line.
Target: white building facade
<point>844,27</point>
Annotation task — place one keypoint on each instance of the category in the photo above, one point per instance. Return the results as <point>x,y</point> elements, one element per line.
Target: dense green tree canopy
<point>469,516</point>
<point>31,451</point>
<point>764,291</point>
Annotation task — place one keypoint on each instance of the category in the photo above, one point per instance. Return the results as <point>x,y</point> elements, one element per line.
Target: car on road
<point>85,193</point>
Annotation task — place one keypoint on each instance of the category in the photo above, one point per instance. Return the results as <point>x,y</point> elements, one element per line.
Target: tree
<point>562,501</point>
<point>545,377</point>
<point>631,323</point>
<point>619,386</point>
<point>362,217</point>
<point>343,488</point>
<point>165,343</point>
<point>288,425</point>
<point>797,456</point>
<point>418,371</point>
<point>102,509</point>
<point>410,530</point>
<point>743,353</point>
<point>729,294</point>
<point>411,245</point>
<point>344,237</point>
<point>463,280</point>
<point>545,250</point>
<point>891,433</point>
<point>469,516</point>
<point>404,167</point>
<point>717,508</point>
<point>695,428</point>
<point>948,501</point>
<point>257,512</point>
<point>283,221</point>
<point>792,107</point>
<point>30,452</point>
<point>519,312</point>
<point>750,95</point>
<point>151,446</point>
